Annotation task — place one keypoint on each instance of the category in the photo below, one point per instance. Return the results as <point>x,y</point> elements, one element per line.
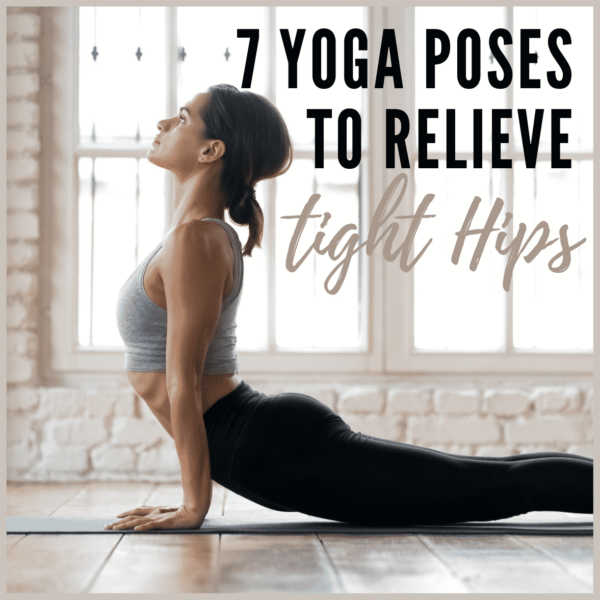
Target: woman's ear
<point>212,151</point>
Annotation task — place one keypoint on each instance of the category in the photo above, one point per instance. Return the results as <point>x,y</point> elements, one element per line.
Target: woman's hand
<point>145,509</point>
<point>158,517</point>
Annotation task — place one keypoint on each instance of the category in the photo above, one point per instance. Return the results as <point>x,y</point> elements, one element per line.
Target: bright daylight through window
<point>157,70</point>
<point>114,175</point>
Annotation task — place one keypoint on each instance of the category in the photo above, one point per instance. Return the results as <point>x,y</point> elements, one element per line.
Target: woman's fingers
<point>141,511</point>
<point>160,517</point>
<point>146,510</point>
<point>141,523</point>
<point>163,523</point>
<point>136,511</point>
<point>124,522</point>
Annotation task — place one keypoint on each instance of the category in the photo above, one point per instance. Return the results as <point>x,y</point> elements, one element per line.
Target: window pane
<point>293,102</point>
<point>252,317</point>
<point>213,52</point>
<point>118,92</point>
<point>456,308</point>
<point>554,311</point>
<point>118,229</point>
<point>85,231</point>
<point>578,95</point>
<point>448,93</point>
<point>307,315</point>
<point>151,208</point>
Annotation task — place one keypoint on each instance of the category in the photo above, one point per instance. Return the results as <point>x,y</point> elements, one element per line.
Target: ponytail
<point>248,212</point>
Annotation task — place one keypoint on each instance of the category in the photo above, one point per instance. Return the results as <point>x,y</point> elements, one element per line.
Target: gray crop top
<point>143,324</point>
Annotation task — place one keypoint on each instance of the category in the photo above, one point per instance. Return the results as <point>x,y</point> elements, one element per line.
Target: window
<point>462,320</point>
<point>438,317</point>
<point>121,203</point>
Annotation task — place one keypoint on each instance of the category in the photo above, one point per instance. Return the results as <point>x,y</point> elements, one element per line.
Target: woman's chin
<point>152,159</point>
<point>150,155</point>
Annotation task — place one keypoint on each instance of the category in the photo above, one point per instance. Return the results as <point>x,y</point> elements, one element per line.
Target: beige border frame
<point>280,2</point>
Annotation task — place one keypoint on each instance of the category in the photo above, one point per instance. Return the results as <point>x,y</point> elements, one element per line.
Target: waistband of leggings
<point>242,392</point>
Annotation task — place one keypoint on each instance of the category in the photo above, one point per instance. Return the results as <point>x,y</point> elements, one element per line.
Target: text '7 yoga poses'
<point>289,452</point>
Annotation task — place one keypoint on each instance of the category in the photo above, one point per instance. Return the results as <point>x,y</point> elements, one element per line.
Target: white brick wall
<point>57,433</point>
<point>362,400</point>
<point>23,170</point>
<point>22,86</point>
<point>70,434</point>
<point>22,26</point>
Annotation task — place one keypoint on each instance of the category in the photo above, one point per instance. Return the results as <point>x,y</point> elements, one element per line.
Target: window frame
<point>388,292</point>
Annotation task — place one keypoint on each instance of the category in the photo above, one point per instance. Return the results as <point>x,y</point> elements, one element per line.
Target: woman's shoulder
<point>196,236</point>
<point>191,255</point>
<point>195,247</point>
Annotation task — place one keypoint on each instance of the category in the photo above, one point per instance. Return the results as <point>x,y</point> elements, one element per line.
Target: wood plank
<point>12,539</point>
<point>30,510</point>
<point>57,563</point>
<point>501,564</point>
<point>167,494</point>
<point>46,494</point>
<point>388,564</point>
<point>275,563</point>
<point>574,554</point>
<point>101,498</point>
<point>160,563</point>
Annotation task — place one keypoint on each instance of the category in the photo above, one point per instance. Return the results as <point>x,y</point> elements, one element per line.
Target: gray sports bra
<point>143,324</point>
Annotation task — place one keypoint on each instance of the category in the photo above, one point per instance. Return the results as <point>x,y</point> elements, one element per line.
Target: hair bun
<point>243,212</point>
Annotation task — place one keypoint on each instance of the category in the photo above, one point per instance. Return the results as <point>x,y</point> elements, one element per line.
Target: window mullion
<point>409,295</point>
<point>93,214</point>
<point>270,58</point>
<point>172,75</point>
<point>509,179</point>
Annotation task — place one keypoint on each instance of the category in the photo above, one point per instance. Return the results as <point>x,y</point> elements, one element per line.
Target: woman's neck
<point>197,197</point>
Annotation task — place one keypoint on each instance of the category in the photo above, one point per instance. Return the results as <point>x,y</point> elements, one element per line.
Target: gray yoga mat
<point>274,522</point>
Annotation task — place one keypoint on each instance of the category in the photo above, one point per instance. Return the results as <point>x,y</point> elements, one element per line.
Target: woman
<point>287,452</point>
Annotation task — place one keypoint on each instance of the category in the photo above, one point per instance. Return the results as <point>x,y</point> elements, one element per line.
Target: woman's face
<point>180,143</point>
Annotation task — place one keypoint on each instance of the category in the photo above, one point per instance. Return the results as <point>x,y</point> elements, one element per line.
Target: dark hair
<point>257,145</point>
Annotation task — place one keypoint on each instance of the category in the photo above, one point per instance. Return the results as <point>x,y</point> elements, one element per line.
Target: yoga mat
<point>274,522</point>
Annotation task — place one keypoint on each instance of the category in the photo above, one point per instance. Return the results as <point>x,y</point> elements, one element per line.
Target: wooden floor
<point>251,563</point>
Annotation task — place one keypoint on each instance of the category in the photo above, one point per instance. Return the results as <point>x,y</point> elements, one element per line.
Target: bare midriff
<point>151,386</point>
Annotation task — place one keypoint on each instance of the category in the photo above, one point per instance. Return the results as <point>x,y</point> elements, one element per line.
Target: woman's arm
<point>194,271</point>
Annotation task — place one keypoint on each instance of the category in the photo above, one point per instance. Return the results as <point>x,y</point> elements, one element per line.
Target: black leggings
<point>290,452</point>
